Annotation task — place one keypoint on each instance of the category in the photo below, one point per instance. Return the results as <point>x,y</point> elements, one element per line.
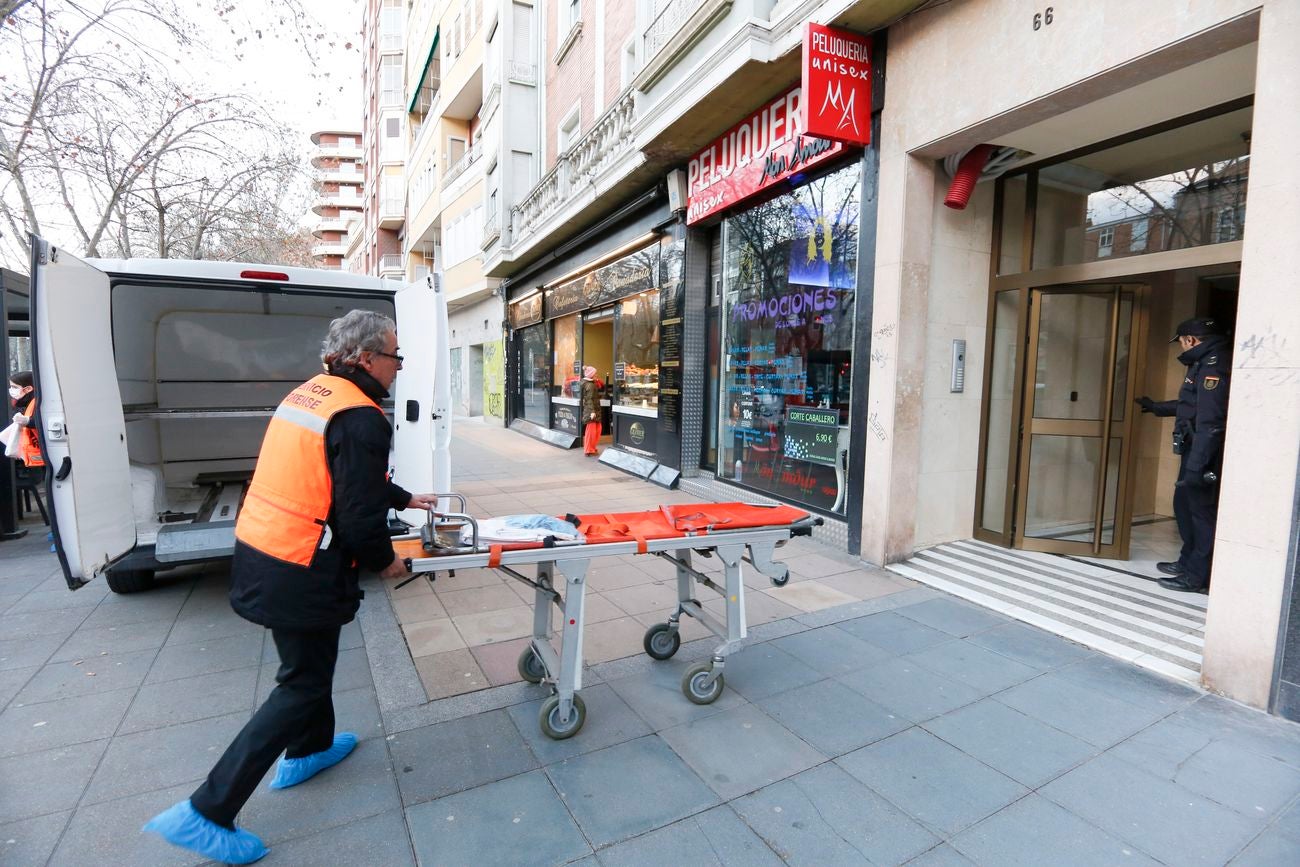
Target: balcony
<point>458,168</point>
<point>677,26</point>
<point>330,248</point>
<point>348,173</point>
<point>491,230</point>
<point>392,212</point>
<point>576,173</point>
<point>341,223</point>
<point>335,151</point>
<point>345,197</point>
<point>519,72</point>
<point>390,265</point>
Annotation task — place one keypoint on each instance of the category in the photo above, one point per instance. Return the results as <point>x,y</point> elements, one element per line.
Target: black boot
<point>1182,584</point>
<point>1171,568</point>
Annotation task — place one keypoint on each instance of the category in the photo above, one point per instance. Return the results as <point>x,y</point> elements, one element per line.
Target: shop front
<point>620,314</point>
<point>781,212</point>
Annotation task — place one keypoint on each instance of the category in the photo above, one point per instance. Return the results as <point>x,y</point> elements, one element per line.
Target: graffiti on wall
<point>494,379</point>
<point>458,406</point>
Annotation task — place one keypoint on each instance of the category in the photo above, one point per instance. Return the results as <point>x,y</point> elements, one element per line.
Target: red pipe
<point>968,173</point>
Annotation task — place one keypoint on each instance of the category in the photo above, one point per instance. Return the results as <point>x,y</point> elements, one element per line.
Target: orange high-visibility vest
<point>29,443</point>
<point>289,498</point>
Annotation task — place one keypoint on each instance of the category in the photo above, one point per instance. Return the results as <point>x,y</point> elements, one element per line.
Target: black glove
<point>1147,404</point>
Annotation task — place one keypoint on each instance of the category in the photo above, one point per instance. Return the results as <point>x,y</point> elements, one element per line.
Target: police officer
<point>314,515</point>
<point>1201,413</point>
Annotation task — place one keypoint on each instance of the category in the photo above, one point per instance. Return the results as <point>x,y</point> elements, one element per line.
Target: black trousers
<point>297,719</point>
<point>1196,509</point>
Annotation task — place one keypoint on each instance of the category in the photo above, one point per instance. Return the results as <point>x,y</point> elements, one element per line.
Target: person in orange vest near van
<point>23,394</point>
<point>314,515</point>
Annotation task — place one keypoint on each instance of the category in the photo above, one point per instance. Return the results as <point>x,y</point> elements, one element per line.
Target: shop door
<point>1076,426</point>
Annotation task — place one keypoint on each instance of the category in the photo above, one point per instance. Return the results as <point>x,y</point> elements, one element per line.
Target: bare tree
<point>102,141</point>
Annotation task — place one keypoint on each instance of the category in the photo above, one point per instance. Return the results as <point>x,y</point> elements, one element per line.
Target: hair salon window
<point>568,370</point>
<point>636,350</point>
<point>534,374</point>
<point>790,275</point>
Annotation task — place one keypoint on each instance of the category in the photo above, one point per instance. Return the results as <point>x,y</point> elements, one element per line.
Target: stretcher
<point>734,533</point>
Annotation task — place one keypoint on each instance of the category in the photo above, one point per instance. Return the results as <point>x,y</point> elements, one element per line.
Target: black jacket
<point>590,400</point>
<point>1201,409</point>
<point>282,595</point>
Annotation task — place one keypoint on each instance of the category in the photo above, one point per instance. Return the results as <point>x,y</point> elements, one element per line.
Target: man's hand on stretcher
<point>397,568</point>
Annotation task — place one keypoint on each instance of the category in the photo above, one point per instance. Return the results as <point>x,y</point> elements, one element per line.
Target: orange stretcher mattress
<point>666,522</point>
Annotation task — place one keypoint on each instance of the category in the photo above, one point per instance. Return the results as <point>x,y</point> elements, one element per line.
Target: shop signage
<point>565,418</point>
<point>812,434</point>
<point>636,272</point>
<point>635,434</point>
<point>764,149</point>
<point>527,311</point>
<point>836,84</point>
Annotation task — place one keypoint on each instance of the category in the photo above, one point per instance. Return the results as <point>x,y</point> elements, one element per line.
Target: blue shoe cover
<point>49,537</point>
<point>291,772</point>
<point>182,826</point>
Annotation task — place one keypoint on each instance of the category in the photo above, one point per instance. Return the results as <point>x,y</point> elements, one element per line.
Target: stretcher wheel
<point>661,641</point>
<point>693,684</point>
<point>531,668</point>
<point>783,580</point>
<point>549,718</point>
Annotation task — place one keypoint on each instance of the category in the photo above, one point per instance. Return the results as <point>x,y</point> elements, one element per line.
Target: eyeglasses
<point>399,359</point>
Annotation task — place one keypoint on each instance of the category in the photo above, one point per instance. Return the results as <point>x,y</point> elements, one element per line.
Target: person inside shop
<point>315,514</point>
<point>23,394</point>
<point>590,406</point>
<point>1201,414</point>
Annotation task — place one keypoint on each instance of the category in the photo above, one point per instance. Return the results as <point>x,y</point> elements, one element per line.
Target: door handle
<point>64,470</point>
<point>413,410</point>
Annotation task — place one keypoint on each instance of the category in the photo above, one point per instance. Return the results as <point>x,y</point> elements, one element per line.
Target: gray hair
<point>354,333</point>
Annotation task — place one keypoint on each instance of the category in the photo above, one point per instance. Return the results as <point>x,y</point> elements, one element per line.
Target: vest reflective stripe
<point>288,501</point>
<point>29,443</point>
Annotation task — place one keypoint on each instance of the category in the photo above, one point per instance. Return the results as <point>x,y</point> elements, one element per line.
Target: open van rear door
<point>79,409</point>
<point>422,393</point>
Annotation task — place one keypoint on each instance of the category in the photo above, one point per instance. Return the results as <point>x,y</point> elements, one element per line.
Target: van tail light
<point>264,275</point>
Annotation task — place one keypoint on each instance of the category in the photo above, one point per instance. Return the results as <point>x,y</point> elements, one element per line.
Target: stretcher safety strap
<point>494,556</point>
<point>641,546</point>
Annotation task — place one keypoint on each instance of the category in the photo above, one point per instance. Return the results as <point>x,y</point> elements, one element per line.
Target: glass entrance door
<point>1077,419</point>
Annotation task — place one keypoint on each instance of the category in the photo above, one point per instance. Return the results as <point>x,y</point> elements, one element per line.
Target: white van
<point>156,380</point>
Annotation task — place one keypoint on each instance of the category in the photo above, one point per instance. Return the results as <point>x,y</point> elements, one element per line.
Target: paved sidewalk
<point>906,728</point>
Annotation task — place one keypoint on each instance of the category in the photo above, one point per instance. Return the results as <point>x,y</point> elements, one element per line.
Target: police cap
<point>1197,328</point>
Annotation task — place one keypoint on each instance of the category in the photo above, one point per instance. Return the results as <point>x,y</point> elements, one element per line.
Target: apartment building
<point>339,182</point>
<point>379,250</point>
<point>794,316</point>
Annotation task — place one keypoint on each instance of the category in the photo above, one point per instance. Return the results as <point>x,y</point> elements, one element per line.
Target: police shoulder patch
<point>1211,383</point>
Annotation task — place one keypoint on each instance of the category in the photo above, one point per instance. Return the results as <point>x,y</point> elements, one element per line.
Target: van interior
<point>201,369</point>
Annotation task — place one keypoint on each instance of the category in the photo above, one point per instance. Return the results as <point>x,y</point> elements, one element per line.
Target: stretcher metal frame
<point>563,713</point>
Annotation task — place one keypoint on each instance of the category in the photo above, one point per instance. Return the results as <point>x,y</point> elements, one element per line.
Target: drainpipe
<point>968,173</point>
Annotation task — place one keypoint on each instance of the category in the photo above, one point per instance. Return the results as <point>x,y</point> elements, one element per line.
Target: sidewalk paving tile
<point>513,821</point>
<point>60,723</point>
<point>809,595</point>
<point>1270,849</point>
<point>210,627</point>
<point>932,780</point>
<point>57,599</point>
<point>83,677</point>
<point>149,760</point>
<point>109,833</point>
<point>13,680</point>
<point>740,750</point>
<point>499,662</point>
<point>1034,831</point>
<point>1247,727</point>
<point>762,670</point>
<point>1026,750</point>
<point>1031,646</point>
<point>491,626</point>
<point>830,650</point>
<point>609,721</point>
<point>910,690</point>
<point>41,623</point>
<point>974,666</point>
<point>357,711</point>
<point>657,696</point>
<point>438,760</point>
<point>1127,682</point>
<point>194,698</point>
<point>714,838</point>
<point>361,785</point>
<point>450,673</point>
<point>893,632</point>
<point>824,816</point>
<point>31,841</point>
<point>219,654</point>
<point>832,717</point>
<point>1252,784</point>
<point>39,783</point>
<point>431,636</point>
<point>28,652</point>
<point>376,840</point>
<point>1089,715</point>
<point>87,642</point>
<point>478,600</point>
<point>625,790</point>
<point>954,617</point>
<point>942,855</point>
<point>1165,820</point>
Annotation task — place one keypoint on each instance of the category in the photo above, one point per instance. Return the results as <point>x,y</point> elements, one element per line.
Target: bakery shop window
<point>636,351</point>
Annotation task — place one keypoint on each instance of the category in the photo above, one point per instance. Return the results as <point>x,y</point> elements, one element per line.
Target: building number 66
<point>1043,19</point>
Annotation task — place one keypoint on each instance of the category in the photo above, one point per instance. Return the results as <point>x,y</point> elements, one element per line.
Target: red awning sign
<point>837,84</point>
